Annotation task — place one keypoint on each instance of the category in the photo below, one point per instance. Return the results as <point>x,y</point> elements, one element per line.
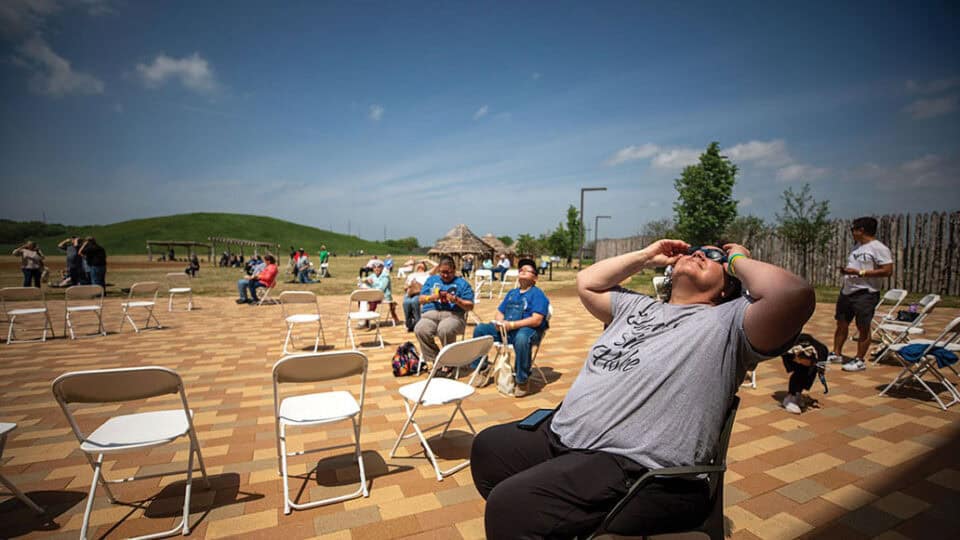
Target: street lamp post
<point>582,190</point>
<point>596,233</point>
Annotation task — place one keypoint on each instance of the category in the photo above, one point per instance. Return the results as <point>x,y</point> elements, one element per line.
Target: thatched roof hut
<point>499,246</point>
<point>460,241</point>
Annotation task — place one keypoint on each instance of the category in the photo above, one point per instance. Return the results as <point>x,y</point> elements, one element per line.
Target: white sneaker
<point>834,358</point>
<point>791,404</point>
<point>856,365</point>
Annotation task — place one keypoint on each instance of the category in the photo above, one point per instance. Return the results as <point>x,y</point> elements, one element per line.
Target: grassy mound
<point>129,237</point>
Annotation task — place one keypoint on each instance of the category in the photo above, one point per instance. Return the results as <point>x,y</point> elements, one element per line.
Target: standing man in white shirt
<point>867,264</point>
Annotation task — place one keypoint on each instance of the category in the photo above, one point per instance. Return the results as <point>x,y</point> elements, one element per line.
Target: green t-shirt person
<point>324,255</point>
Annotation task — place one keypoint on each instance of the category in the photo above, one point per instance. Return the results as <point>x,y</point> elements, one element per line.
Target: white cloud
<point>933,87</point>
<point>797,171</point>
<point>632,153</point>
<point>933,107</point>
<point>769,153</point>
<point>927,171</point>
<point>481,112</point>
<point>52,74</point>
<point>680,157</point>
<point>376,112</point>
<point>193,72</point>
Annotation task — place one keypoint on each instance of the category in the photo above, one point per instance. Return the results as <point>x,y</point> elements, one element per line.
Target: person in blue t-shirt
<point>524,313</point>
<point>445,299</point>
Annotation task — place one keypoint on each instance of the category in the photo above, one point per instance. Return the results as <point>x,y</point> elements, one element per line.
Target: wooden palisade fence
<point>925,247</point>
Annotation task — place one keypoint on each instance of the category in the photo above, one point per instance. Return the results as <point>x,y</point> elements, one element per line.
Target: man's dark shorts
<point>860,305</point>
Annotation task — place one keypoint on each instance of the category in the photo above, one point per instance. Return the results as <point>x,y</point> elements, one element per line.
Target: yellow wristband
<point>730,269</point>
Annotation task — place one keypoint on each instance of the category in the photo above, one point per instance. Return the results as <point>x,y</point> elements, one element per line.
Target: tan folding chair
<point>134,432</point>
<point>482,277</point>
<point>438,391</point>
<point>511,278</point>
<point>179,283</point>
<point>363,295</point>
<point>83,299</point>
<point>307,301</point>
<point>142,295</point>
<point>893,298</point>
<point>318,408</point>
<point>5,428</point>
<point>24,302</point>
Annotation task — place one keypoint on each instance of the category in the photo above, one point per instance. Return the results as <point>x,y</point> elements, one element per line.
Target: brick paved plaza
<point>859,466</point>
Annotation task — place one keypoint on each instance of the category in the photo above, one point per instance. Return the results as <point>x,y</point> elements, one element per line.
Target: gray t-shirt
<point>869,256</point>
<point>657,384</point>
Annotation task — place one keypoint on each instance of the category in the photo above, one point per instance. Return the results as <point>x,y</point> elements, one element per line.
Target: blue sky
<point>413,117</point>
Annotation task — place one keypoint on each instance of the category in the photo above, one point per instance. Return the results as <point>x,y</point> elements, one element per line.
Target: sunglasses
<point>714,254</point>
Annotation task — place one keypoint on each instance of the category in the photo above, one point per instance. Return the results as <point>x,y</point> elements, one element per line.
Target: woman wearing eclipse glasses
<point>652,393</point>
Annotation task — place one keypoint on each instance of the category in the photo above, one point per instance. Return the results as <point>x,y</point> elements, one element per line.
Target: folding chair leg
<point>316,340</point>
<point>283,471</point>
<point>359,453</point>
<point>10,329</point>
<point>287,339</point>
<point>47,323</point>
<point>93,491</point>
<point>190,301</point>
<point>20,495</point>
<point>170,303</point>
<point>68,325</point>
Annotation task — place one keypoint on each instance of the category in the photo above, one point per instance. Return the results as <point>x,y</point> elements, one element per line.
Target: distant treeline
<point>15,232</point>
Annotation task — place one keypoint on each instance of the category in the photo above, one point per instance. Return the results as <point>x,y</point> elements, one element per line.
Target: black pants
<point>536,487</point>
<point>31,275</point>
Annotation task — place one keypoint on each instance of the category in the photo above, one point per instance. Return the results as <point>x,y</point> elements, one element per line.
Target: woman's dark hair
<point>447,260</point>
<point>867,224</point>
<point>270,258</point>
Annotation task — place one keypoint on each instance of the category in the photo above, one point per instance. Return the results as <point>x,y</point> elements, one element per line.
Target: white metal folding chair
<point>26,303</point>
<point>948,339</point>
<point>894,333</point>
<point>892,298</point>
<point>5,428</point>
<point>179,283</point>
<point>482,277</point>
<point>92,302</point>
<point>511,278</point>
<point>142,295</point>
<point>363,295</point>
<point>266,293</point>
<point>404,270</point>
<point>318,408</point>
<point>134,432</point>
<point>306,301</point>
<point>437,391</point>
<point>658,284</point>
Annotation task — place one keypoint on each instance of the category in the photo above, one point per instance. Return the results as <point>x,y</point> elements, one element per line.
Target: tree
<point>747,231</point>
<point>404,245</point>
<point>803,224</point>
<point>528,245</point>
<point>507,241</point>
<point>658,228</point>
<point>705,203</point>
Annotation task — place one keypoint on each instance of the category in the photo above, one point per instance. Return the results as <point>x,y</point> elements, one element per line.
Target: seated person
<point>194,266</point>
<point>501,267</point>
<point>411,299</point>
<point>445,300</point>
<point>303,269</point>
<point>524,313</point>
<point>262,278</point>
<point>487,263</point>
<point>653,392</point>
<point>366,269</point>
<point>381,280</point>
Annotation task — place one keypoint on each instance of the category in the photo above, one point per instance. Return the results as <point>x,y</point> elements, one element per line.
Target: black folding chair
<point>621,522</point>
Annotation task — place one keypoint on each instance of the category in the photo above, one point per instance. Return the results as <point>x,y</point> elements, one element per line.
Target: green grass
<point>129,237</point>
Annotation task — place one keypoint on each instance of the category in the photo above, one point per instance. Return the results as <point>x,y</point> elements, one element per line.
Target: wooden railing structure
<point>925,248</point>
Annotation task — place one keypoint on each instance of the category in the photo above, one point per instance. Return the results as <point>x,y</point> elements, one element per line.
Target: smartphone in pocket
<point>534,419</point>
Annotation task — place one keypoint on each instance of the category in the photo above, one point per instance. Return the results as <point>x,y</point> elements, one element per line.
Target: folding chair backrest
<point>113,385</point>
<point>144,288</point>
<point>950,335</point>
<point>178,279</point>
<point>297,297</point>
<point>894,295</point>
<point>366,295</point>
<point>21,294</point>
<point>461,353</point>
<point>928,302</point>
<point>302,368</point>
<point>83,292</point>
